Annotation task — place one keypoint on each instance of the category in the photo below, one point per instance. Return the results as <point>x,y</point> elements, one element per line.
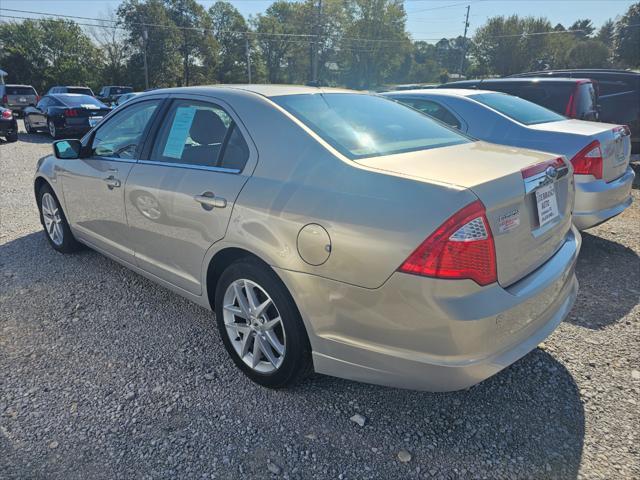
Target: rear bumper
<point>430,334</point>
<point>8,127</point>
<point>598,201</point>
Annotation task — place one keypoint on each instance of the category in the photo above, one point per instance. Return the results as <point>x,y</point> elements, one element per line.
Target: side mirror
<point>67,149</point>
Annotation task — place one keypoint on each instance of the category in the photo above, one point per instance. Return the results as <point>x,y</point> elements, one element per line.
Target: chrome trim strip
<point>112,159</point>
<point>189,166</point>
<point>539,180</point>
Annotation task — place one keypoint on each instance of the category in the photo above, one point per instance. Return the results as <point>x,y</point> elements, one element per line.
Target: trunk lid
<point>615,142</point>
<point>494,174</point>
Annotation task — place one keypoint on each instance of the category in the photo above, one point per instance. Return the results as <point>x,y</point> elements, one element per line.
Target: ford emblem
<point>551,173</point>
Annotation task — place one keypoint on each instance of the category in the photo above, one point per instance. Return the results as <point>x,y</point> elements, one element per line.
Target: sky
<point>428,20</point>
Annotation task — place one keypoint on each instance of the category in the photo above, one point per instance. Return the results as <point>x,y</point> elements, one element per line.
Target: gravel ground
<point>103,374</point>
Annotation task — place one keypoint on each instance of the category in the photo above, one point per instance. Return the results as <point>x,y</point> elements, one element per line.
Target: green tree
<point>22,53</point>
<point>151,30</point>
<point>228,27</point>
<point>510,44</point>
<point>627,38</point>
<point>588,54</point>
<point>375,42</point>
<point>584,26</point>
<point>607,33</point>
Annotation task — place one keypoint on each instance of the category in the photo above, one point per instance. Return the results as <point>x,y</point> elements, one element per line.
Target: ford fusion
<point>330,231</point>
<point>599,152</point>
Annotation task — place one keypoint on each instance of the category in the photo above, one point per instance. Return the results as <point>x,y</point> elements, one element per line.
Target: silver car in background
<point>599,152</point>
<point>329,230</point>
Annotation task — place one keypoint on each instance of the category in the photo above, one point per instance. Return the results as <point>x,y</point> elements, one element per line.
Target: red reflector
<point>462,247</point>
<point>541,167</point>
<point>588,161</point>
<point>6,114</point>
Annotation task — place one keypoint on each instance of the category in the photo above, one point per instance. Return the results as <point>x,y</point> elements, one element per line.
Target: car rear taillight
<point>588,161</point>
<point>462,247</point>
<point>541,167</point>
<point>7,114</point>
<point>71,112</point>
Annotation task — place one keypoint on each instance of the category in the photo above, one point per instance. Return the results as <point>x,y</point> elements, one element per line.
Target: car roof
<point>520,80</point>
<point>16,85</point>
<point>454,92</point>
<point>579,70</point>
<point>263,90</point>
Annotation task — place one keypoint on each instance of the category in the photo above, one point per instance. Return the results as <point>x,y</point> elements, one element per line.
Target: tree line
<point>354,43</point>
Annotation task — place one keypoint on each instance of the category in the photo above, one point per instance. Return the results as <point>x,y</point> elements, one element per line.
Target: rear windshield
<point>554,96</point>
<point>520,110</point>
<point>80,100</point>
<point>20,90</point>
<point>82,90</point>
<point>360,126</point>
<point>120,90</point>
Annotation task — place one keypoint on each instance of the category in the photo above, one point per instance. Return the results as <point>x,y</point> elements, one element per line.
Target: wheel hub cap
<point>254,326</point>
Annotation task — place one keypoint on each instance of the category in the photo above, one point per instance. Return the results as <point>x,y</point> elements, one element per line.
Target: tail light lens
<point>588,161</point>
<point>462,247</point>
<point>71,112</point>
<point>7,114</point>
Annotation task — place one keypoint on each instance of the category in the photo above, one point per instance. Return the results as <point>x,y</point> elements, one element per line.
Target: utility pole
<point>464,42</point>
<point>315,45</point>
<point>246,49</point>
<point>145,37</point>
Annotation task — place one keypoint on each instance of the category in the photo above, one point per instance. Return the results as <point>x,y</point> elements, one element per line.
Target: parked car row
<point>336,231</point>
<point>599,152</point>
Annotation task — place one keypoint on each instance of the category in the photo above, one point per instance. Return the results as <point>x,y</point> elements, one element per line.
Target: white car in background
<point>599,152</point>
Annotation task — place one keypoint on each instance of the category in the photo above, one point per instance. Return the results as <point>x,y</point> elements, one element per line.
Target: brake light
<point>71,112</point>
<point>588,161</point>
<point>541,167</point>
<point>462,247</point>
<point>7,114</point>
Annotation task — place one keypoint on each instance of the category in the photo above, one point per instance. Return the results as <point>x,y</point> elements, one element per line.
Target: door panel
<point>171,231</point>
<point>179,201</point>
<point>94,187</point>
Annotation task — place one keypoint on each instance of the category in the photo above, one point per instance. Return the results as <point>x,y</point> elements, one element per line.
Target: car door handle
<point>112,182</point>
<point>209,201</point>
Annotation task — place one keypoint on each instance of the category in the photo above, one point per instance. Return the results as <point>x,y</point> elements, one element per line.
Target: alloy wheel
<point>52,129</point>
<point>52,219</point>
<point>254,326</point>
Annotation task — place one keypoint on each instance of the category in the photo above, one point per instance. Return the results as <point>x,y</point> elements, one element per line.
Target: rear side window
<point>360,126</point>
<point>586,100</point>
<point>433,109</point>
<point>20,90</point>
<point>520,110</point>
<point>200,134</point>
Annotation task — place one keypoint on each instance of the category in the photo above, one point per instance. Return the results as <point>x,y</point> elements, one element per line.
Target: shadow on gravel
<point>525,422</point>
<point>609,282</point>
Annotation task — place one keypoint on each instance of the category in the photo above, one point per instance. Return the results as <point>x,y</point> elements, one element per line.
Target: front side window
<point>434,110</point>
<point>120,135</point>
<point>518,109</point>
<point>360,125</point>
<point>200,134</point>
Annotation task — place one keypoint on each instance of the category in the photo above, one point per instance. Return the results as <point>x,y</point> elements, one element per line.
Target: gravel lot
<point>103,374</point>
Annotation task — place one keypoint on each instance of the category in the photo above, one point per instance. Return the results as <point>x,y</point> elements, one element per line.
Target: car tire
<point>53,131</point>
<point>27,125</point>
<point>54,222</point>
<point>292,362</point>
<point>13,137</point>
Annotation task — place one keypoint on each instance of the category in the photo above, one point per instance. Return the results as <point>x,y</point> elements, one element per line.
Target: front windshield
<point>520,110</point>
<point>359,125</point>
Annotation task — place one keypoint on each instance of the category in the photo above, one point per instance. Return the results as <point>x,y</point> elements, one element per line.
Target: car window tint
<point>360,126</point>
<point>120,135</point>
<point>193,134</point>
<point>236,151</point>
<point>517,108</point>
<point>20,90</point>
<point>434,110</point>
<point>586,100</point>
<point>554,96</point>
<point>83,91</point>
<point>78,100</point>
